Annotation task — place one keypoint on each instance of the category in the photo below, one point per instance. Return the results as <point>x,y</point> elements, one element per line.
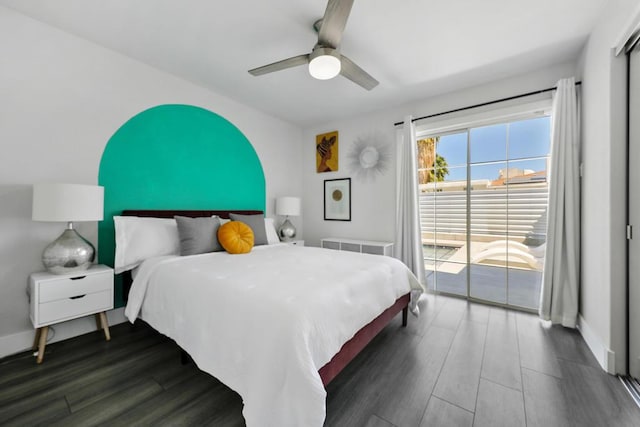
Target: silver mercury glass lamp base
<point>68,253</point>
<point>287,231</point>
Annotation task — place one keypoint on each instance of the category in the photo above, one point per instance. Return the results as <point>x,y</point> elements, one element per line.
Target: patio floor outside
<point>488,276</point>
<point>488,283</point>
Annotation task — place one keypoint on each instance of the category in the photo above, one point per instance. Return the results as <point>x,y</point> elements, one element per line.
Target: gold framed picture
<point>327,152</point>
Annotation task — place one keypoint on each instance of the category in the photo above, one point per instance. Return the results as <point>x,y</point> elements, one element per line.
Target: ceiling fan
<point>325,60</point>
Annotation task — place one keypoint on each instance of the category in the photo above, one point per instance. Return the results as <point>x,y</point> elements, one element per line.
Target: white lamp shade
<point>288,206</point>
<point>67,202</point>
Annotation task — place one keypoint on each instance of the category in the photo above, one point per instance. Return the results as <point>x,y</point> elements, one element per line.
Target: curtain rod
<point>536,92</point>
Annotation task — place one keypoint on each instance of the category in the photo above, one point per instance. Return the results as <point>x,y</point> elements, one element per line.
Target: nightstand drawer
<point>69,308</point>
<point>66,287</point>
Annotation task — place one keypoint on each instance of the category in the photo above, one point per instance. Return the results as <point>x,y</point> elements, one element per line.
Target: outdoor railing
<point>519,212</point>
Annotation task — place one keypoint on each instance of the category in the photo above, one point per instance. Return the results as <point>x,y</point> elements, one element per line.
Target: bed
<point>271,324</point>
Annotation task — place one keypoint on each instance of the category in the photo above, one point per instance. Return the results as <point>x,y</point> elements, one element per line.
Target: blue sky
<point>491,147</point>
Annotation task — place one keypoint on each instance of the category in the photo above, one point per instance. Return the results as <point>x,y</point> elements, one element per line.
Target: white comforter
<point>263,323</point>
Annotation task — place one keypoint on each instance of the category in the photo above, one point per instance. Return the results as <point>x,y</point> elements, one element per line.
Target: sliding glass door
<point>443,210</point>
<point>483,198</point>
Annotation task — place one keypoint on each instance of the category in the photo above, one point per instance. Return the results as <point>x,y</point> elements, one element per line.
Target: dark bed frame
<point>348,351</point>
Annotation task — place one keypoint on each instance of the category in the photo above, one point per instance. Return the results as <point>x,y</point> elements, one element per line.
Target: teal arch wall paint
<point>176,157</point>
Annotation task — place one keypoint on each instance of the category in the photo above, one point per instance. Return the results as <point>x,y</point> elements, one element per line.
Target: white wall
<point>61,99</point>
<point>602,302</point>
<point>373,202</point>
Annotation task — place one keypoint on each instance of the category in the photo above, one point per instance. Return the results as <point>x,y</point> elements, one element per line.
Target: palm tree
<point>442,168</point>
<point>428,159</point>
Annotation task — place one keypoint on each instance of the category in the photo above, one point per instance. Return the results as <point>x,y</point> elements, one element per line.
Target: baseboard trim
<point>605,357</point>
<point>22,341</point>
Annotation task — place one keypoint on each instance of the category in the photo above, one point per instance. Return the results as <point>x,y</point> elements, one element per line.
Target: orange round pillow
<point>236,237</point>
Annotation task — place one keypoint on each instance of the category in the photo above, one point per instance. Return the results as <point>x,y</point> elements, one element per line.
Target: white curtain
<point>408,245</point>
<point>560,283</point>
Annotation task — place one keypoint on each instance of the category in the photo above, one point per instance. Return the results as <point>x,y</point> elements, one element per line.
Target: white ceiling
<point>415,48</point>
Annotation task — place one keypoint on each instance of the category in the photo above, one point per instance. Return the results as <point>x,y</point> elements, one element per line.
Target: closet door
<point>634,213</point>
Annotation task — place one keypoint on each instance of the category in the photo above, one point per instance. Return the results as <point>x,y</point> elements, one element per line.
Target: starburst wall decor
<point>369,157</point>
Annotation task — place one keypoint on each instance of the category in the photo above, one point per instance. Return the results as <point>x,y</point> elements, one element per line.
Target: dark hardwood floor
<point>459,364</point>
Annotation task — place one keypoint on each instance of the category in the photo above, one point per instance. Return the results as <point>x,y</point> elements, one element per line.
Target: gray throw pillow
<point>198,235</point>
<point>256,223</point>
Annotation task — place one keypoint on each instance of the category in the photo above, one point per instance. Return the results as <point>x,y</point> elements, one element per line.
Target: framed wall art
<point>337,199</point>
<point>327,152</point>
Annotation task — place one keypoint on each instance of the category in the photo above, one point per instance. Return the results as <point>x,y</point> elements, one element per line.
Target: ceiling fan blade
<point>356,74</point>
<point>333,23</point>
<point>281,65</point>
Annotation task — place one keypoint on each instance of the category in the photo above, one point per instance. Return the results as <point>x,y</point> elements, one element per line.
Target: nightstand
<point>56,298</point>
<point>295,242</point>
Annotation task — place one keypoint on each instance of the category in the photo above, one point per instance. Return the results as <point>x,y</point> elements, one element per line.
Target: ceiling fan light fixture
<point>325,60</point>
<point>324,63</point>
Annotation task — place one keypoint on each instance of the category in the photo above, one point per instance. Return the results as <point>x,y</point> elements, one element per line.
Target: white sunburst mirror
<point>368,157</point>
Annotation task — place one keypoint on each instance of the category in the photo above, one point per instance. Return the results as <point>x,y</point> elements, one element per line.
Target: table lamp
<point>68,203</point>
<point>287,206</point>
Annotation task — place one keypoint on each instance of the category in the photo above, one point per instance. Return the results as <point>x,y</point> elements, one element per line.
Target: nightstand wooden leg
<point>98,321</point>
<point>36,340</point>
<point>105,325</point>
<point>44,331</point>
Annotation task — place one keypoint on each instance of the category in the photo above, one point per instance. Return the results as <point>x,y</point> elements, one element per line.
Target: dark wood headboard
<point>126,276</point>
<point>190,213</point>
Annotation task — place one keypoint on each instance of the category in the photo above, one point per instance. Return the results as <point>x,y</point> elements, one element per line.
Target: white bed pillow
<point>272,234</point>
<point>139,238</point>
